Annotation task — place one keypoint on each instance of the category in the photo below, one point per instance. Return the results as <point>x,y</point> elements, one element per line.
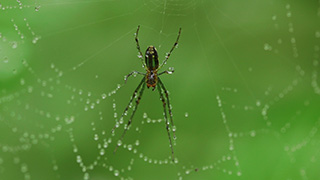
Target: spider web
<point>245,92</point>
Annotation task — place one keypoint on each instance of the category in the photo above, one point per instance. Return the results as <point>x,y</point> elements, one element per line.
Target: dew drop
<point>22,82</point>
<point>145,115</point>
<point>289,14</point>
<point>288,6</point>
<point>35,39</point>
<point>92,106</point>
<point>176,160</point>
<point>129,147</point>
<point>79,159</point>
<point>102,151</point>
<point>5,59</point>
<point>24,168</point>
<point>116,172</point>
<point>252,133</point>
<point>119,143</point>
<point>317,34</point>
<point>267,47</point>
<point>86,176</point>
<point>96,137</point>
<point>258,103</point>
<point>14,45</point>
<point>105,145</point>
<point>37,8</point>
<point>174,128</point>
<point>111,168</point>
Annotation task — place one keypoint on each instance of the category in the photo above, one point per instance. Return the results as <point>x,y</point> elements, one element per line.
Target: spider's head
<point>152,61</point>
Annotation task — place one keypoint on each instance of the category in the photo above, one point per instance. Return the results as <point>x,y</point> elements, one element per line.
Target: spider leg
<point>167,72</point>
<point>131,99</point>
<point>133,112</point>
<point>168,55</point>
<point>169,106</point>
<point>139,50</point>
<point>166,119</point>
<point>127,76</point>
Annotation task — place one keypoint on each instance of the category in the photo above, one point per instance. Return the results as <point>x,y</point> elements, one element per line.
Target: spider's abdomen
<point>151,79</point>
<point>152,61</point>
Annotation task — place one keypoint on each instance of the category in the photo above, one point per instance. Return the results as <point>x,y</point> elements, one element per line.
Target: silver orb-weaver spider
<point>151,79</point>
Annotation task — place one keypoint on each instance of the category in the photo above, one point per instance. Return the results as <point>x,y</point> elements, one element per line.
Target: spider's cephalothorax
<point>151,79</point>
<point>152,63</point>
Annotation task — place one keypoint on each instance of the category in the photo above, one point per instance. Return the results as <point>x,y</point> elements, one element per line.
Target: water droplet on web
<point>289,14</point>
<point>105,145</point>
<point>86,176</point>
<point>186,115</point>
<point>79,159</point>
<point>129,147</point>
<point>96,137</point>
<point>24,168</point>
<point>22,82</point>
<point>102,151</point>
<point>92,105</point>
<point>252,133</point>
<point>317,34</point>
<point>145,115</point>
<point>137,143</point>
<point>116,172</point>
<point>267,47</point>
<point>37,8</point>
<point>176,161</point>
<point>288,6</point>
<point>258,103</point>
<point>69,120</point>
<point>55,168</point>
<point>5,59</point>
<point>35,39</point>
<point>14,45</point>
<point>75,149</point>
<point>174,128</point>
<point>111,168</point>
<point>119,143</point>
<point>103,96</point>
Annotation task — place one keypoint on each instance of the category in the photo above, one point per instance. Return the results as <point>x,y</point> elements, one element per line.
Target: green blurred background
<point>245,91</point>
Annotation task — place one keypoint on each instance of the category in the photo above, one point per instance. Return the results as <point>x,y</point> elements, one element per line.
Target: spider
<point>151,79</point>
